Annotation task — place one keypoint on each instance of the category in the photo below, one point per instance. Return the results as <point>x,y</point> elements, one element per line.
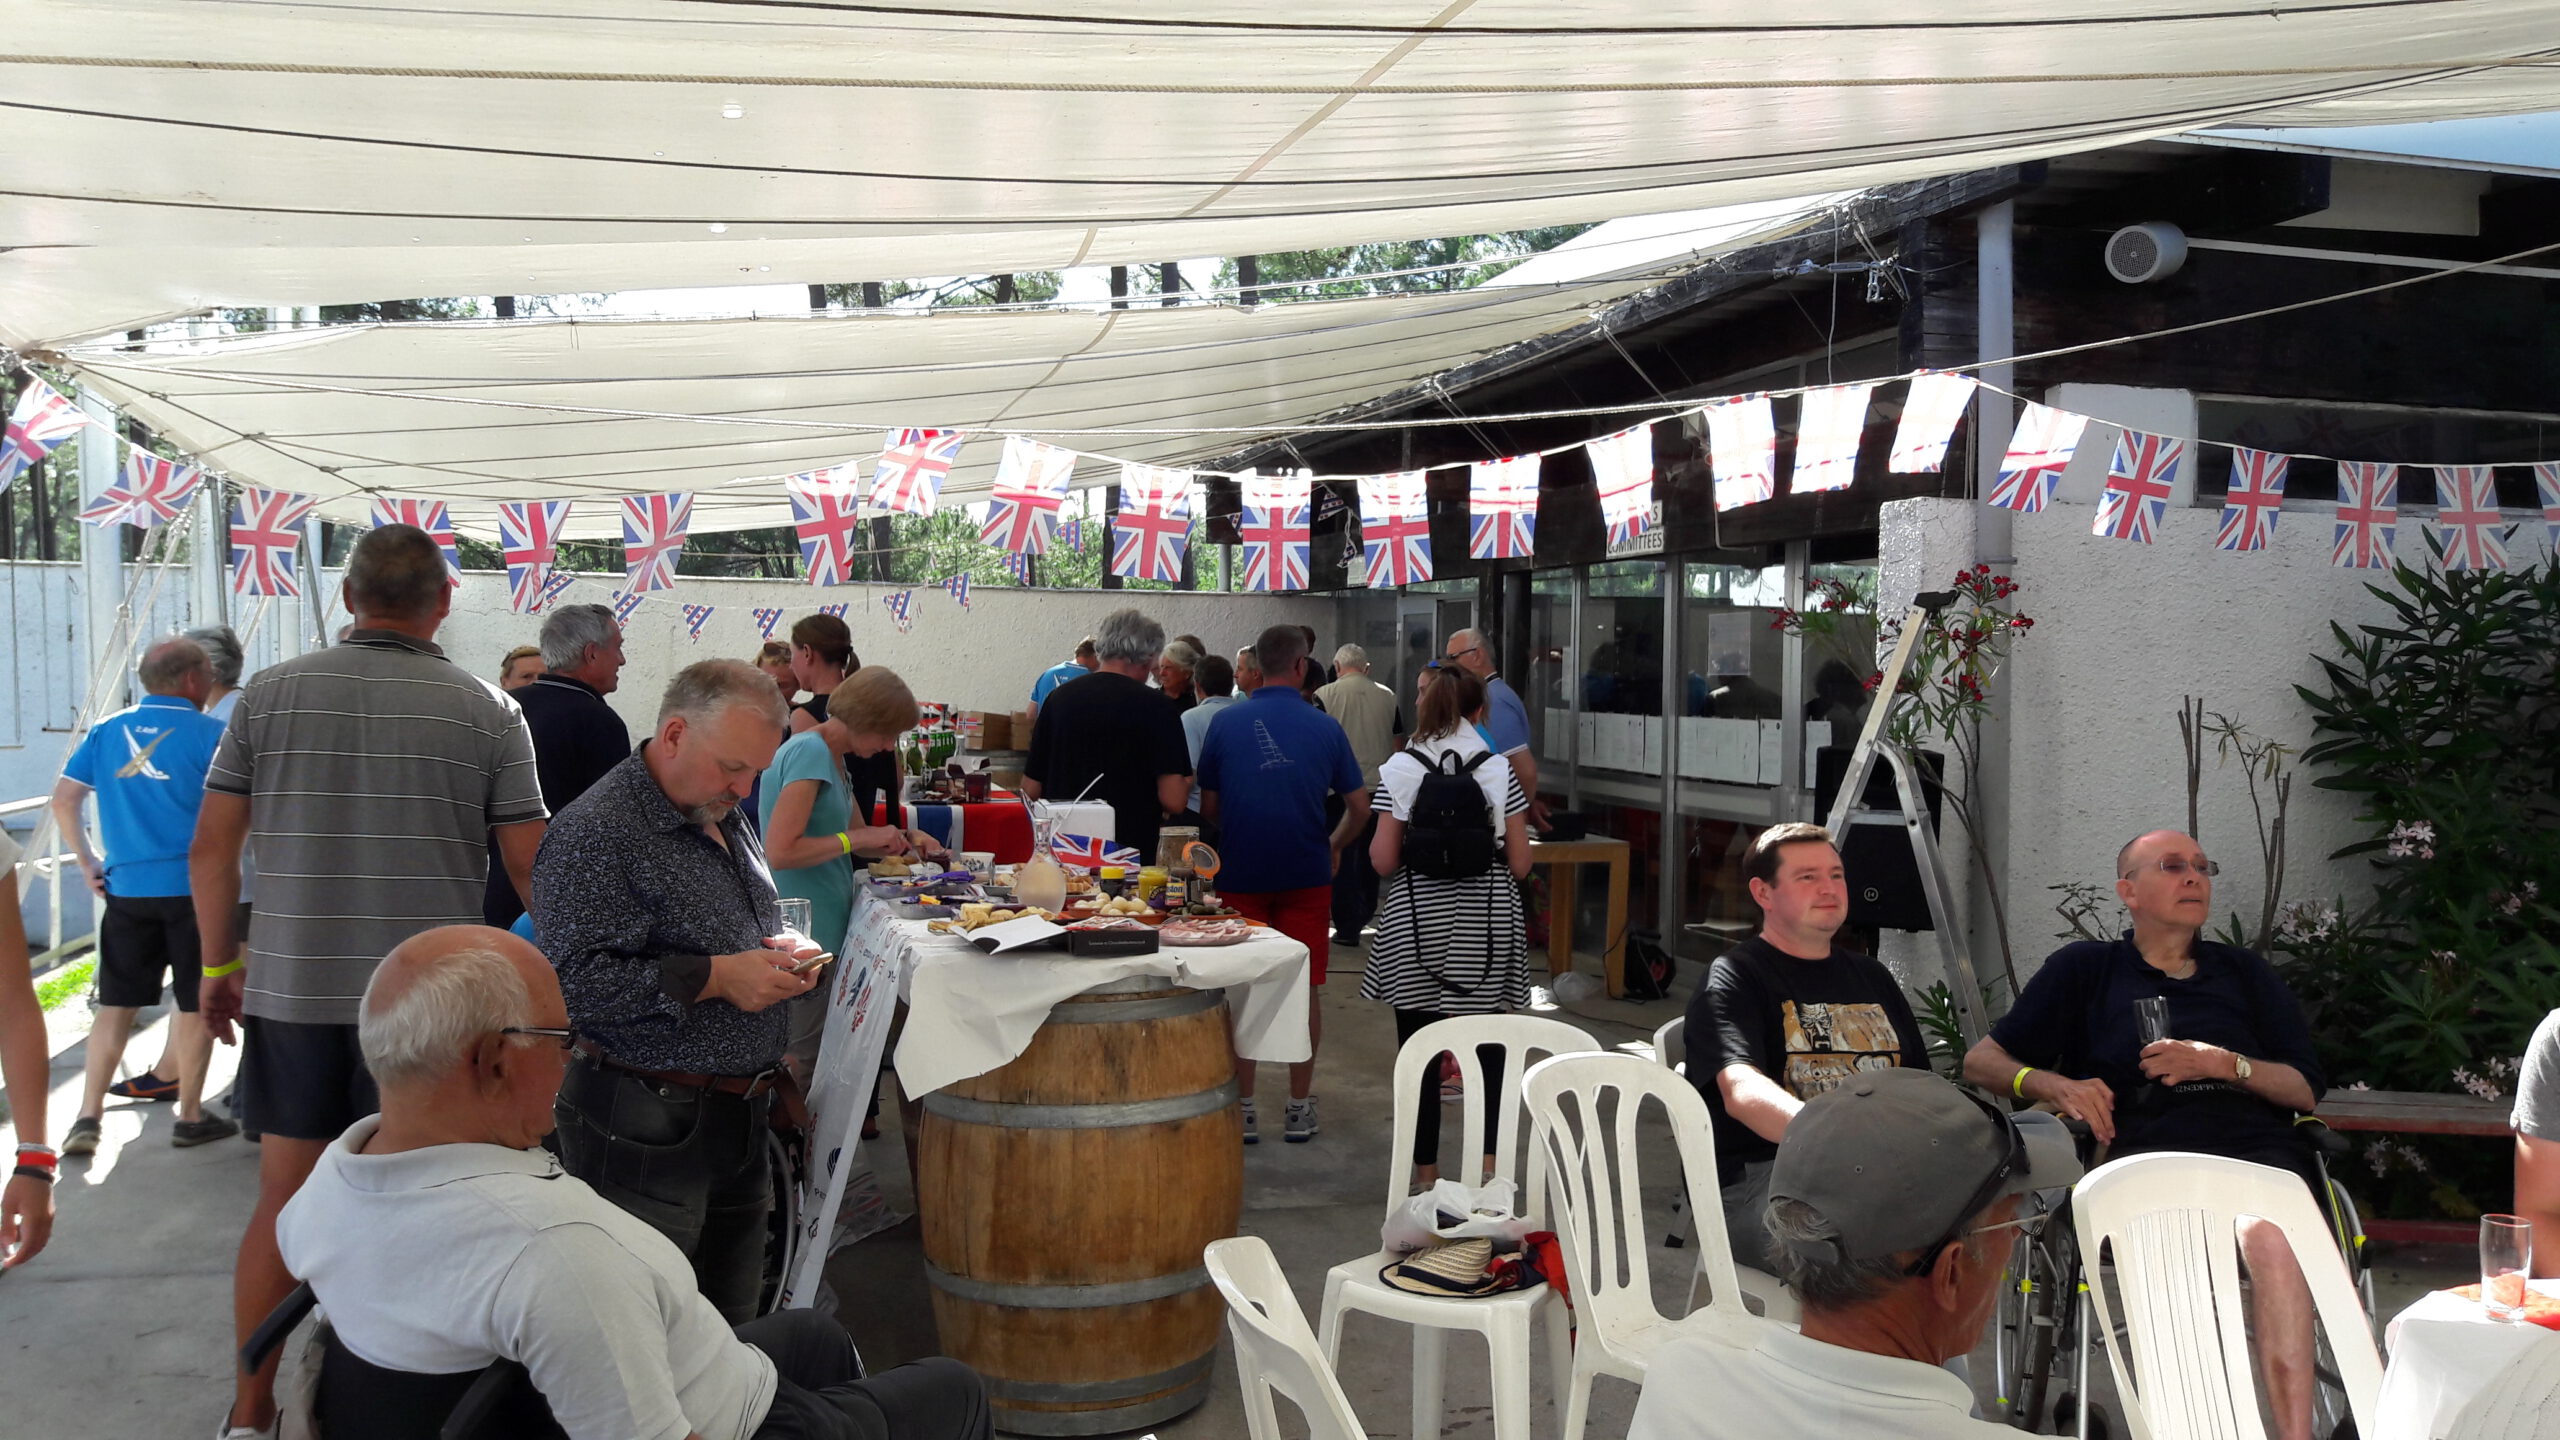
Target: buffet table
<point>2444,1351</point>
<point>1000,825</point>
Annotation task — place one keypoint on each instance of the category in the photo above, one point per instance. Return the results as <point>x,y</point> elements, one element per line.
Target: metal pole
<point>1792,800</point>
<point>206,552</point>
<point>1995,339</point>
<point>101,565</point>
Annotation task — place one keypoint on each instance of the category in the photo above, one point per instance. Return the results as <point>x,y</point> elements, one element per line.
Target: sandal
<point>145,1086</point>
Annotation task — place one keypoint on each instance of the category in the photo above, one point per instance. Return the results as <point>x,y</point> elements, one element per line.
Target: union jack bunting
<point>2250,505</point>
<point>1502,508</point>
<point>1622,468</point>
<point>1154,528</point>
<point>653,529</point>
<point>42,419</point>
<point>1929,416</point>
<point>625,604</point>
<point>1084,852</point>
<point>900,605</point>
<point>829,523</point>
<point>552,589</point>
<point>836,610</point>
<point>154,491</point>
<point>2467,518</point>
<point>2368,515</point>
<point>767,616</point>
<point>1030,486</point>
<point>695,617</point>
<point>2145,470</point>
<point>957,587</point>
<point>2040,450</point>
<point>2546,488</point>
<point>911,469</point>
<point>1275,524</point>
<point>1072,532</point>
<point>1742,449</point>
<point>1018,565</point>
<point>1828,429</point>
<point>1395,529</point>
<point>529,538</point>
<point>266,529</point>
<point>427,515</point>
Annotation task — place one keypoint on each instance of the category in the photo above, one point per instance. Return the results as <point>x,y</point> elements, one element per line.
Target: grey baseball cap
<point>1894,1160</point>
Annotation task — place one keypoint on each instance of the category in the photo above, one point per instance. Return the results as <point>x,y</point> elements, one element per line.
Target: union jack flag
<point>1395,529</point>
<point>427,515</point>
<point>653,528</point>
<point>900,605</point>
<point>1502,508</point>
<point>266,529</point>
<point>1030,486</point>
<point>2250,505</point>
<point>1072,532</point>
<point>828,519</point>
<point>2138,485</point>
<point>153,492</point>
<point>625,604</point>
<point>695,617</point>
<point>1929,416</point>
<point>1155,523</point>
<point>2040,449</point>
<point>42,419</point>
<point>552,589</point>
<point>837,610</point>
<point>1622,466</point>
<point>2467,518</point>
<point>1742,448</point>
<point>1274,526</point>
<point>911,469</point>
<point>1084,852</point>
<point>1828,428</point>
<point>2368,514</point>
<point>1018,565</point>
<point>767,616</point>
<point>957,587</point>
<point>529,536</point>
<point>2546,486</point>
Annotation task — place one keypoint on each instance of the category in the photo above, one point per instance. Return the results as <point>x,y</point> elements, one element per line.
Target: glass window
<point>1548,688</point>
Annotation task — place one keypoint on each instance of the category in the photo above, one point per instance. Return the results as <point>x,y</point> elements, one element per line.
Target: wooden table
<point>2412,1112</point>
<point>1566,857</point>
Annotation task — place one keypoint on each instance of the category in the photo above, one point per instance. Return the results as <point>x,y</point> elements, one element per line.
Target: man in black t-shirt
<point>1110,732</point>
<point>577,737</point>
<point>1785,1016</point>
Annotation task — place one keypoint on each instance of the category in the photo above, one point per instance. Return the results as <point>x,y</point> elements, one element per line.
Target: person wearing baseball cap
<point>1892,1204</point>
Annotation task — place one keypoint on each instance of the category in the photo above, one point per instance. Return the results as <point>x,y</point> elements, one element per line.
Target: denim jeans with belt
<point>690,1162</point>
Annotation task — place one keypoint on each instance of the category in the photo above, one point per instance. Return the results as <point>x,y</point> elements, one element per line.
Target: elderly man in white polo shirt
<point>1893,1203</point>
<point>440,1237</point>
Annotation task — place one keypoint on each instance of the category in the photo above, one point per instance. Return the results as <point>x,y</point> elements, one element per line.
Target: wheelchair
<point>357,1398</point>
<point>2041,1346</point>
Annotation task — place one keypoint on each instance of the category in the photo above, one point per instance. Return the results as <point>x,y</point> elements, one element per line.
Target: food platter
<point>1198,932</point>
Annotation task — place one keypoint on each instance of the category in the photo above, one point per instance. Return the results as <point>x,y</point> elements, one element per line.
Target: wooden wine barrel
<point>1065,1201</point>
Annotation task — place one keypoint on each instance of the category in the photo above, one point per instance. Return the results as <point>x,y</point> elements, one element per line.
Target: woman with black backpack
<point>1453,843</point>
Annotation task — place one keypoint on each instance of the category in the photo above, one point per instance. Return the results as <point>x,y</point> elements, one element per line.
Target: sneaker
<point>224,1430</point>
<point>83,1139</point>
<point>145,1086</point>
<point>1452,1092</point>
<point>1251,1135</point>
<point>1301,1121</point>
<point>1348,942</point>
<point>201,1132</point>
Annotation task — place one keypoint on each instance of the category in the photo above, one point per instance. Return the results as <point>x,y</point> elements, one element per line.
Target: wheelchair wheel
<point>2066,1418</point>
<point>784,1156</point>
<point>2036,1317</point>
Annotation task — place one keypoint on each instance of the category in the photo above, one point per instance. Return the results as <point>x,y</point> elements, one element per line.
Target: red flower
<point>1872,681</point>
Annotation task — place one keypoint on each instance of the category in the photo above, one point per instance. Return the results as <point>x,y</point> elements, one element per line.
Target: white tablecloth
<point>2444,1350</point>
<point>969,1013</point>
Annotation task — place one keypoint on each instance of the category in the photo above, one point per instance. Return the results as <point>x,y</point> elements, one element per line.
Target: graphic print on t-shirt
<point>1826,1044</point>
<point>1273,757</point>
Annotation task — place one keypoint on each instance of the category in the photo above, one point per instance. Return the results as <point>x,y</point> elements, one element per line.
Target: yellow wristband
<point>845,839</point>
<point>218,971</point>
<point>2018,1082</point>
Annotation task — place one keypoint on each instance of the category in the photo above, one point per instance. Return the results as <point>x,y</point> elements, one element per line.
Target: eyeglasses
<point>2030,1224</point>
<point>563,1038</point>
<point>1453,655</point>
<point>2176,867</point>
<point>2013,1161</point>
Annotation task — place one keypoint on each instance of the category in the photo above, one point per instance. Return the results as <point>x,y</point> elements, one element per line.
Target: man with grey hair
<point>370,776</point>
<point>1894,1202</point>
<point>576,735</point>
<point>441,1238</point>
<point>1506,719</point>
<point>653,899</point>
<point>1173,674</point>
<point>1369,714</point>
<point>1110,738</point>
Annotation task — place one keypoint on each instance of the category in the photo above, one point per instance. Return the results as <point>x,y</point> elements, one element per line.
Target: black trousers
<point>822,1394</point>
<point>690,1162</point>
<point>1355,885</point>
<point>1426,1133</point>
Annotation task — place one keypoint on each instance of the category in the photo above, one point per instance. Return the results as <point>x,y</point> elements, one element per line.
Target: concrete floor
<point>121,1330</point>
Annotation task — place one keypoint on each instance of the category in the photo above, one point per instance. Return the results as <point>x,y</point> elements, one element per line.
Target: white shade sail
<point>169,155</point>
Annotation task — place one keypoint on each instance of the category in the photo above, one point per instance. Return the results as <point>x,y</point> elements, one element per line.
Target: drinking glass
<point>2151,1019</point>
<point>2506,1258</point>
<point>795,916</point>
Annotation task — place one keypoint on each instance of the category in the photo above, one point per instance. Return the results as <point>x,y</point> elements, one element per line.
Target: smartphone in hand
<point>813,963</point>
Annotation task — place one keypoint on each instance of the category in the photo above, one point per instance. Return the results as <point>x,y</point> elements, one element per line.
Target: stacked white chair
<point>1275,1351</point>
<point>1671,1048</point>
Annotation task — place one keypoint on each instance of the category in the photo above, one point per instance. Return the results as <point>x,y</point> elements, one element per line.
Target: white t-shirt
<point>1700,1387</point>
<point>1401,775</point>
<point>445,1259</point>
<point>2537,1108</point>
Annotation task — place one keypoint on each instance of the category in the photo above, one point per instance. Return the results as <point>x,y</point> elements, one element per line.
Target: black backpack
<point>1450,835</point>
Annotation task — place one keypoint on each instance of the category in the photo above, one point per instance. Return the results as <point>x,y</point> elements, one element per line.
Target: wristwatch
<point>2240,1067</point>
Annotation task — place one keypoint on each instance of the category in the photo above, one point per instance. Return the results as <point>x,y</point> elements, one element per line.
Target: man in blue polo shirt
<point>1086,661</point>
<point>147,766</point>
<point>1266,769</point>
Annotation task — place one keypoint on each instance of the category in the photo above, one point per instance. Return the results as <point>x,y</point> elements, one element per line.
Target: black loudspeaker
<point>1884,879</point>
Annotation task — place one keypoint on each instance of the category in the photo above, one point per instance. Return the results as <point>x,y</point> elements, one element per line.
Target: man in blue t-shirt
<point>1266,768</point>
<point>146,765</point>
<point>1506,718</point>
<point>1086,661</point>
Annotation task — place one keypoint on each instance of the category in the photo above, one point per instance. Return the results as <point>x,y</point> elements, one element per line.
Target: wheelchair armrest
<point>483,1399</point>
<point>2327,1141</point>
<point>278,1324</point>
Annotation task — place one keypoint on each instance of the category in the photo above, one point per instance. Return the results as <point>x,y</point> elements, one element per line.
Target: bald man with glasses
<point>1506,718</point>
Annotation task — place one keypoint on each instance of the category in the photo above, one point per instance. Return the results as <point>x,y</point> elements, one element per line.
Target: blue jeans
<point>689,1162</point>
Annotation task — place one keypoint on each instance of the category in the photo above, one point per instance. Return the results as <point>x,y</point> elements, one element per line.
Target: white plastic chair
<point>1671,1044</point>
<point>1505,1321</point>
<point>1274,1348</point>
<point>2169,1223</point>
<point>1671,1047</point>
<point>1591,1169</point>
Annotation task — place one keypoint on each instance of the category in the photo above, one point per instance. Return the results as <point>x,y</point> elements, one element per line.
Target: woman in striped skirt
<point>1448,947</point>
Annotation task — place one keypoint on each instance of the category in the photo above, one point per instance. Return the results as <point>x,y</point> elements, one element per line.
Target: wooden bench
<point>2410,1112</point>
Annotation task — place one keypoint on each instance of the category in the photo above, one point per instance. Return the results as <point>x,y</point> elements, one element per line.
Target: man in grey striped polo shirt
<point>373,776</point>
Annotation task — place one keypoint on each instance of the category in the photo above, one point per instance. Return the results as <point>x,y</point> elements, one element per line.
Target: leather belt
<point>746,1086</point>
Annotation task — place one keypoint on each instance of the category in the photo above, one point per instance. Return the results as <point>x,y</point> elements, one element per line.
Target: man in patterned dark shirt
<point>653,902</point>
